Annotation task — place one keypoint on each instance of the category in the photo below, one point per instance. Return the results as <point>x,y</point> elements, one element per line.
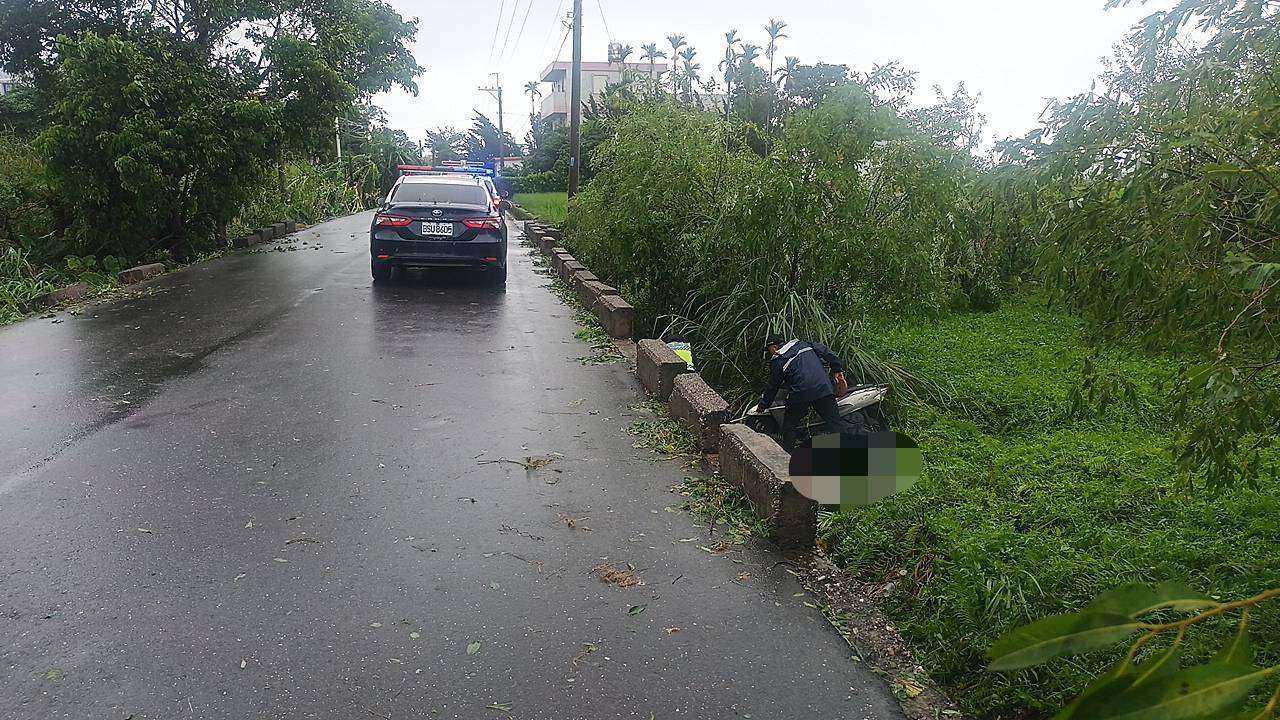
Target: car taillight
<point>393,221</point>
<point>485,223</point>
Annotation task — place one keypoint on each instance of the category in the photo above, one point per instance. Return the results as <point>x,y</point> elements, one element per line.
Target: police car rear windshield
<point>441,194</point>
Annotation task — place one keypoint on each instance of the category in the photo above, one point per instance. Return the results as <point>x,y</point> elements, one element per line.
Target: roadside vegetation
<point>1079,323</point>
<point>159,132</point>
<point>549,206</point>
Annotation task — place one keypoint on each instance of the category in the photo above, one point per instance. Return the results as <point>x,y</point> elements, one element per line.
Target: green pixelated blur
<point>852,470</point>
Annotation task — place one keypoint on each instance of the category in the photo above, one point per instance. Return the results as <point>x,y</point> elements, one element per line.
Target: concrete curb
<point>140,273</point>
<point>658,367</point>
<point>760,467</point>
<point>699,408</point>
<point>267,233</point>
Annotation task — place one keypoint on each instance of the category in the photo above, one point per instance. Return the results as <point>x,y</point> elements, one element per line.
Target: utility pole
<point>496,91</point>
<point>575,103</point>
<point>337,136</point>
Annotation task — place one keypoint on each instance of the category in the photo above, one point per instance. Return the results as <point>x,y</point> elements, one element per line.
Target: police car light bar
<point>445,169</point>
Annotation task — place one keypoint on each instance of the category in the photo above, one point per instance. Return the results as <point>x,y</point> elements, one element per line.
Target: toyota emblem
<point>437,212</point>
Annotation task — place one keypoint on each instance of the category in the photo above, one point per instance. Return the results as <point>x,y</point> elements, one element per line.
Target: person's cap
<point>774,340</point>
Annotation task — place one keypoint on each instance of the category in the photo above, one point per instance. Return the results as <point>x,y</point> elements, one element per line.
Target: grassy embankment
<point>551,207</point>
<point>1029,507</point>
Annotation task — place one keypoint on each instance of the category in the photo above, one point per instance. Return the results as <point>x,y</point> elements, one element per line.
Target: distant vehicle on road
<point>439,221</point>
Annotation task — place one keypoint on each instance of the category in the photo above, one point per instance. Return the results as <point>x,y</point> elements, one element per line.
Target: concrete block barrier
<point>568,268</point>
<point>658,367</point>
<point>70,293</point>
<point>290,227</point>
<point>579,278</point>
<point>559,259</point>
<point>616,315</point>
<point>245,241</point>
<point>546,243</point>
<point>758,465</point>
<point>140,273</point>
<point>280,229</point>
<point>592,291</point>
<point>267,233</point>
<point>699,408</point>
<point>531,227</point>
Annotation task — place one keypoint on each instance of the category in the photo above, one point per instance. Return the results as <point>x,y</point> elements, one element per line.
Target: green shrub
<point>543,182</point>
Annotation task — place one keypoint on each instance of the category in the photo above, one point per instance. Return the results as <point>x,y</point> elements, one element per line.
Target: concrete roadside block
<point>290,227</point>
<point>280,229</point>
<point>758,465</point>
<point>245,241</point>
<point>699,408</point>
<point>592,291</point>
<point>555,232</point>
<point>267,233</point>
<point>568,268</point>
<point>616,315</point>
<point>559,259</point>
<point>531,227</point>
<point>658,367</point>
<point>70,293</point>
<point>547,244</point>
<point>557,250</point>
<point>140,273</point>
<point>582,276</point>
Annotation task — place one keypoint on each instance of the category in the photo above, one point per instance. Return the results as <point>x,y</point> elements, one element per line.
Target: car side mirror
<point>505,194</point>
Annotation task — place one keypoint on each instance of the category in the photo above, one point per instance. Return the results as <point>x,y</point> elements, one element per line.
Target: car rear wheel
<point>381,271</point>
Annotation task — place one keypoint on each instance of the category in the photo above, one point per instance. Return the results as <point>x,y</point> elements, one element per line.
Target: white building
<point>596,76</point>
<point>7,83</point>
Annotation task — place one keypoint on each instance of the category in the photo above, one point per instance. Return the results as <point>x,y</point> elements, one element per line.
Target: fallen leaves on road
<point>144,531</point>
<point>611,574</point>
<point>295,541</point>
<point>587,649</point>
<point>504,707</point>
<point>473,648</point>
<point>636,610</point>
<point>672,630</point>
<point>280,560</point>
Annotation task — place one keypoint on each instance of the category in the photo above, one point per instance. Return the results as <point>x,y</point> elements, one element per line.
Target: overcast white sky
<point>1016,53</point>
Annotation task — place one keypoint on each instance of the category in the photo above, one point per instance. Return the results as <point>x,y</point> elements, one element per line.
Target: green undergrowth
<point>1032,502</point>
<point>550,207</point>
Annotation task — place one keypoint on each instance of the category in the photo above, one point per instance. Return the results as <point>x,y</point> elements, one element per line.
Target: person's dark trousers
<point>826,408</point>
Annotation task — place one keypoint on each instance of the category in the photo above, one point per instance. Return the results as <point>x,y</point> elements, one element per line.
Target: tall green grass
<point>21,282</point>
<point>551,206</point>
<point>1030,505</point>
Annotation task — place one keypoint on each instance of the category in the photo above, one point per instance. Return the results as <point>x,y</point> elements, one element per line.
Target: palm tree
<point>691,69</point>
<point>677,42</point>
<point>625,52</point>
<point>652,53</point>
<point>534,91</point>
<point>729,66</point>
<point>788,70</point>
<point>774,29</point>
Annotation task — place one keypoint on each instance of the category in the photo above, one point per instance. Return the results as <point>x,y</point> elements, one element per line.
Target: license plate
<point>437,228</point>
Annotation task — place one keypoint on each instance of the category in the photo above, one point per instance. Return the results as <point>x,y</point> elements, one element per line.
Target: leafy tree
<point>775,32</point>
<point>484,142</point>
<point>446,143</point>
<point>534,90</point>
<point>677,41</point>
<point>651,55</point>
<point>147,144</point>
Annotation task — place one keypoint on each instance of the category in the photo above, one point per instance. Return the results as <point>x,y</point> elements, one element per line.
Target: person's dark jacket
<point>798,367</point>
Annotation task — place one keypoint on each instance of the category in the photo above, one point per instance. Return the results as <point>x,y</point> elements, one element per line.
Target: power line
<point>520,35</point>
<point>555,20</point>
<point>496,29</point>
<point>515,7</point>
<point>600,5</point>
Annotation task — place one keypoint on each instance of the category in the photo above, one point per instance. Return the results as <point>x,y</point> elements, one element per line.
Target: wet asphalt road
<point>256,491</point>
